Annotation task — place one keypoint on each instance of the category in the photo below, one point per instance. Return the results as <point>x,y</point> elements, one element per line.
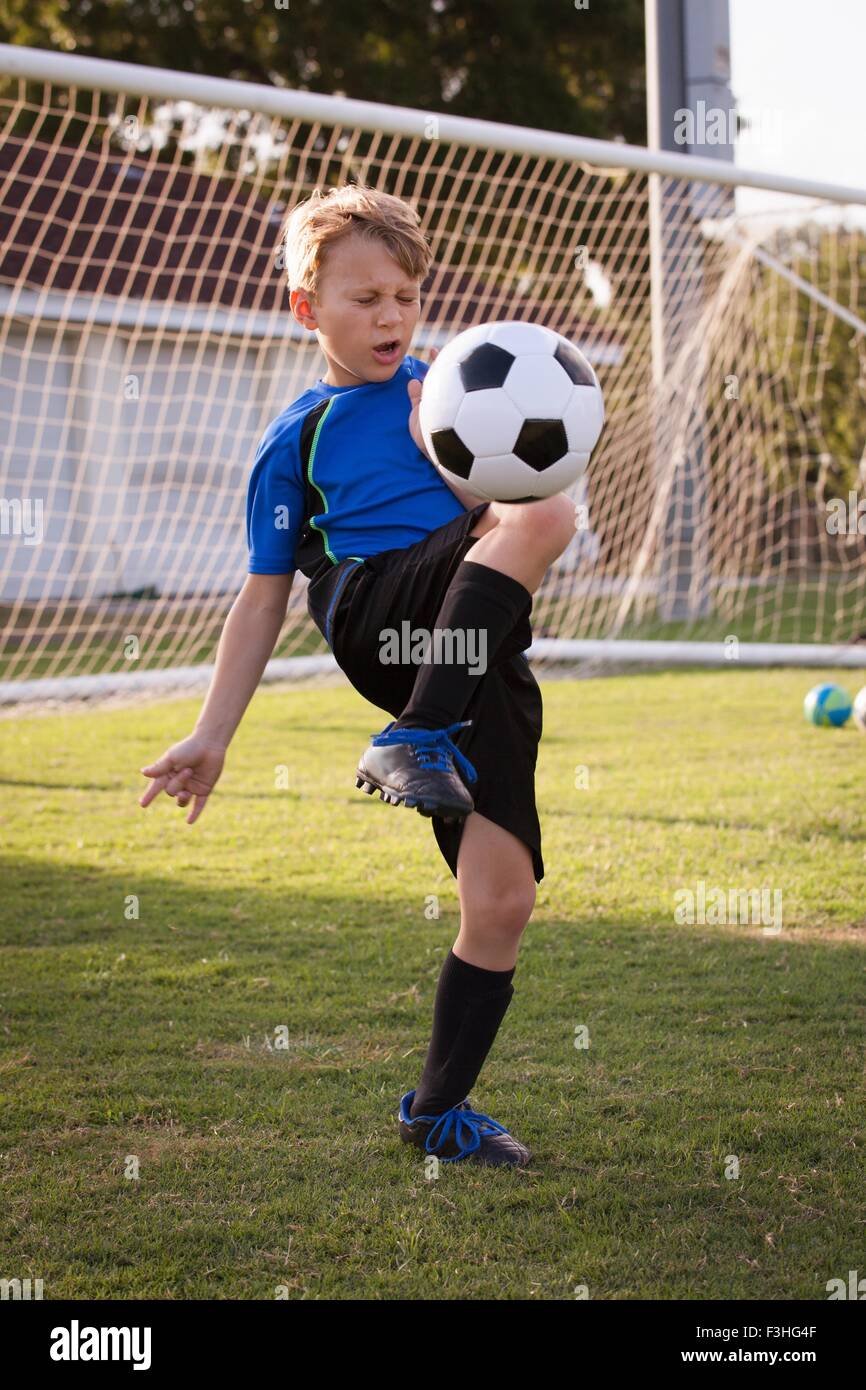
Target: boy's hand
<point>188,769</point>
<point>415,388</point>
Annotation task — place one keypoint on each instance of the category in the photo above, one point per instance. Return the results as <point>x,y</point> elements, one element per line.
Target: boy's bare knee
<point>550,521</point>
<point>560,519</point>
<point>499,912</point>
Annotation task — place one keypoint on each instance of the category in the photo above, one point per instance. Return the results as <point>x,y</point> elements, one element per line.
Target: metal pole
<point>688,81</point>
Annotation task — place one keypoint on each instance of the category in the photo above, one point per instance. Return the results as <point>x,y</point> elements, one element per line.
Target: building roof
<point>104,224</point>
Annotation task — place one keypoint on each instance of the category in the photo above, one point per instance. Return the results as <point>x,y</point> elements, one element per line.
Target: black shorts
<point>352,602</point>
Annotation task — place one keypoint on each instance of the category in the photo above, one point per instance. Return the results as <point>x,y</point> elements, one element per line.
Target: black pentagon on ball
<point>541,443</point>
<point>572,363</point>
<point>485,367</point>
<point>451,452</point>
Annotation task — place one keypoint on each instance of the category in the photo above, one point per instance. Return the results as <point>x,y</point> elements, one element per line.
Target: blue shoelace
<point>468,1125</point>
<point>433,745</point>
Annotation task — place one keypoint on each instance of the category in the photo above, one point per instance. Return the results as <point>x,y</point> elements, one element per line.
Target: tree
<point>543,63</point>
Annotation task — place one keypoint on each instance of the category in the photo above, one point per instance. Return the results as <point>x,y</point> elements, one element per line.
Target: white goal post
<point>145,343</point>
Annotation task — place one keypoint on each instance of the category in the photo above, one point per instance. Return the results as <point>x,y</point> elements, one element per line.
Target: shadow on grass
<point>47,905</point>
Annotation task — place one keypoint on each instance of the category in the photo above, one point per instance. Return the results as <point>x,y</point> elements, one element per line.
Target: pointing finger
<point>153,790</point>
<point>156,769</point>
<point>199,804</point>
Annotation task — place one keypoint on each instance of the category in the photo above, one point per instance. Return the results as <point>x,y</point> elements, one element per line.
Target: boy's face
<point>365,299</point>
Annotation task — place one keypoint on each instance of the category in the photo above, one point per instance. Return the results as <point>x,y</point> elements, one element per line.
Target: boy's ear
<point>303,308</point>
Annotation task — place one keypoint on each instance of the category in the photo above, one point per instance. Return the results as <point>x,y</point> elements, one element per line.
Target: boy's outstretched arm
<point>189,770</point>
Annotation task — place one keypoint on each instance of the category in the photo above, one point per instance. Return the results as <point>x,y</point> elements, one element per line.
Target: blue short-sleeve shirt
<point>338,474</point>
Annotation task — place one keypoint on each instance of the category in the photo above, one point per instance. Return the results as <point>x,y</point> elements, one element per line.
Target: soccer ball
<point>860,710</point>
<point>827,705</point>
<point>512,410</point>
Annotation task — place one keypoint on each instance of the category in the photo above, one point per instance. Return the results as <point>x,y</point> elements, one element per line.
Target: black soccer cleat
<point>415,768</point>
<point>462,1133</point>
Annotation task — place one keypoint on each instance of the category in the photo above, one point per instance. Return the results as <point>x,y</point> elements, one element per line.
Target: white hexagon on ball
<point>502,478</point>
<point>442,395</point>
<point>583,418</point>
<point>561,475</point>
<point>518,337</point>
<point>539,387</point>
<point>488,422</point>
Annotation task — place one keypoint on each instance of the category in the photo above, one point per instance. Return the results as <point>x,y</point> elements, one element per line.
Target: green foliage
<point>810,362</point>
<point>530,62</point>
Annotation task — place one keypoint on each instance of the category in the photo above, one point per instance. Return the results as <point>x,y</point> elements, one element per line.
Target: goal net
<point>146,342</point>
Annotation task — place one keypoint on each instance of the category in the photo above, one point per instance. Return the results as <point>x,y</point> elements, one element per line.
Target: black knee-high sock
<point>479,598</point>
<point>470,1005</point>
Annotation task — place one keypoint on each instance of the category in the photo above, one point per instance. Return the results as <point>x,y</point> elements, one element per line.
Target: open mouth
<point>386,352</point>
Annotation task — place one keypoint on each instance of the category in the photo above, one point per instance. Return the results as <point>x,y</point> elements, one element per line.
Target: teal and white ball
<point>827,705</point>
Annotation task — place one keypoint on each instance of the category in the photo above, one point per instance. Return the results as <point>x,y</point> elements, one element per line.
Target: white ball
<point>859,710</point>
<point>512,411</point>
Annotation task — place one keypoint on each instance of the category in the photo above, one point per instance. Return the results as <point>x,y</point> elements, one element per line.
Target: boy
<point>342,488</point>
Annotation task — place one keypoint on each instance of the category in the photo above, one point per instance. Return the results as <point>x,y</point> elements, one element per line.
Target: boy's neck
<point>359,381</point>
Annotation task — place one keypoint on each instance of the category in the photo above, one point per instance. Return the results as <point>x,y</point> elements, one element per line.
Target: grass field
<point>305,908</point>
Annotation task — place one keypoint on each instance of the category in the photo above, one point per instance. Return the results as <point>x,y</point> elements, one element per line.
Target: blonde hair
<point>326,218</point>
